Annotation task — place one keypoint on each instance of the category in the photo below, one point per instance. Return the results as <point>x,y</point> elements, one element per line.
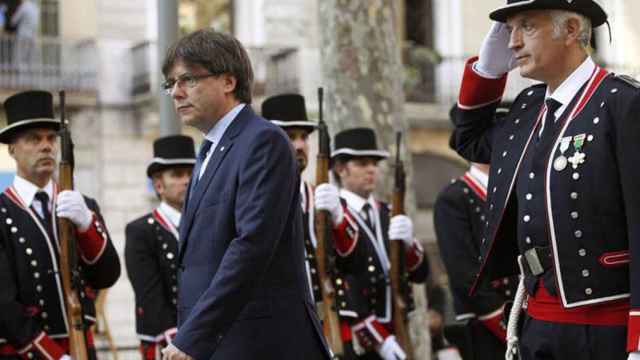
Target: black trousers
<point>544,340</point>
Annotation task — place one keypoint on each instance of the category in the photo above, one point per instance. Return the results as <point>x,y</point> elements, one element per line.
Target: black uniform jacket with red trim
<point>151,253</point>
<point>605,192</point>
<point>31,295</point>
<point>459,217</point>
<point>363,285</point>
<point>311,260</point>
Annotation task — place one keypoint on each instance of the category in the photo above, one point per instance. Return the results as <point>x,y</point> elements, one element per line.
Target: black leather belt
<point>537,260</point>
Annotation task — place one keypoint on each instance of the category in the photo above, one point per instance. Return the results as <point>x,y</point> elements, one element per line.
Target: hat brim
<point>593,11</point>
<point>307,125</point>
<point>381,154</point>
<point>8,133</point>
<point>160,164</point>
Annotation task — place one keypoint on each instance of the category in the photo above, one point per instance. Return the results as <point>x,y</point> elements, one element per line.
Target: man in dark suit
<point>243,292</point>
<point>151,247</point>
<point>563,203</point>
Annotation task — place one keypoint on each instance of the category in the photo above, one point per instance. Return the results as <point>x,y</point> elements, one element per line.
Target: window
<point>49,18</point>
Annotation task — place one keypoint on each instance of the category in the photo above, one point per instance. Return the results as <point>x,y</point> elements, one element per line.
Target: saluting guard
<point>151,248</point>
<point>563,200</point>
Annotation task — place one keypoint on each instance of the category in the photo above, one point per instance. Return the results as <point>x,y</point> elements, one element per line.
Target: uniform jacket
<point>364,293</point>
<point>311,261</point>
<point>593,210</point>
<point>33,314</point>
<point>151,255</point>
<point>243,290</point>
<point>459,220</point>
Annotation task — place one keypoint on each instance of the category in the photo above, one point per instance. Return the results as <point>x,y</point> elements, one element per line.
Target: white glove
<point>65,357</point>
<point>496,59</point>
<point>328,198</point>
<point>391,350</point>
<point>450,353</point>
<point>634,355</point>
<point>401,228</point>
<point>71,205</point>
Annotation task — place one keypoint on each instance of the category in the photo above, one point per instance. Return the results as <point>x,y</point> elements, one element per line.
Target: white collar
<point>571,85</point>
<point>482,177</point>
<point>27,190</point>
<point>215,134</point>
<point>172,214</point>
<point>356,201</point>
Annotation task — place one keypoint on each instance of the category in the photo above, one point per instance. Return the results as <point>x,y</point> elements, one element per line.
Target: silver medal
<point>560,163</point>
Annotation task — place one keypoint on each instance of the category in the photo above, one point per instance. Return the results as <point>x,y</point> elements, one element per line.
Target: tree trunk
<point>363,78</point>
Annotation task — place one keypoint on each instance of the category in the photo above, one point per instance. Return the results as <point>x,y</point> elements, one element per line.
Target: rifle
<point>396,250</point>
<point>324,252</point>
<point>68,247</point>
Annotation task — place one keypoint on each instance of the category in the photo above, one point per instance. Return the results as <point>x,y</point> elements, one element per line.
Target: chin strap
<point>609,27</point>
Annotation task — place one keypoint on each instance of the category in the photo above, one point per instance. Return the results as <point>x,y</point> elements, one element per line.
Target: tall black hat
<point>170,151</point>
<point>588,8</point>
<point>287,111</point>
<point>27,110</point>
<point>357,142</point>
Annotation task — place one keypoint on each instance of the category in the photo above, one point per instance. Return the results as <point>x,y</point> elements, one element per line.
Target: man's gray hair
<point>560,18</point>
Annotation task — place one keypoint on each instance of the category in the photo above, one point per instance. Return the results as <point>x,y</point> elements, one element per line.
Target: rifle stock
<point>331,323</point>
<point>68,249</point>
<point>396,253</point>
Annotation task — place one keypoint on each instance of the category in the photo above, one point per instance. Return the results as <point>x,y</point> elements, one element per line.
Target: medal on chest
<point>560,163</point>
<point>578,157</point>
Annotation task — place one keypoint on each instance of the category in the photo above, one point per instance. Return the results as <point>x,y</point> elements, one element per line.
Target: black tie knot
<point>368,216</point>
<point>204,149</point>
<point>552,106</point>
<point>43,198</point>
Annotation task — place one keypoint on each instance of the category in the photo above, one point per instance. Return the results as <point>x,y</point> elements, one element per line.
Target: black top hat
<point>169,151</point>
<point>588,8</point>
<point>287,110</point>
<point>27,110</point>
<point>357,142</point>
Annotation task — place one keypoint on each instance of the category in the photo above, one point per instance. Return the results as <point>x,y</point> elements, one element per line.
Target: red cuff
<point>477,91</point>
<point>92,242</point>
<point>633,331</point>
<point>345,331</point>
<point>345,234</point>
<point>45,346</point>
<point>148,350</point>
<point>370,332</point>
<point>414,256</point>
<point>493,322</point>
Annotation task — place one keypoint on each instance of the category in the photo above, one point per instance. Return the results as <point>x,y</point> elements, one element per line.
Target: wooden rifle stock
<point>396,254</point>
<point>68,249</point>
<point>323,225</point>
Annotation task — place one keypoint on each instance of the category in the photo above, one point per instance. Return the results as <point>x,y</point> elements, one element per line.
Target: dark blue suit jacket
<point>243,292</point>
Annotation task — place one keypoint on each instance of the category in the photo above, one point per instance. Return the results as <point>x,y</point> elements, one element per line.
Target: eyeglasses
<point>189,80</point>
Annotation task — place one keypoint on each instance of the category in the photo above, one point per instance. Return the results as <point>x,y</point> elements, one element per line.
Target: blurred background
<point>104,53</point>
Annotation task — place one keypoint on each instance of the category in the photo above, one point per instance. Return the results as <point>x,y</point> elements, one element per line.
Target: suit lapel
<point>217,157</point>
